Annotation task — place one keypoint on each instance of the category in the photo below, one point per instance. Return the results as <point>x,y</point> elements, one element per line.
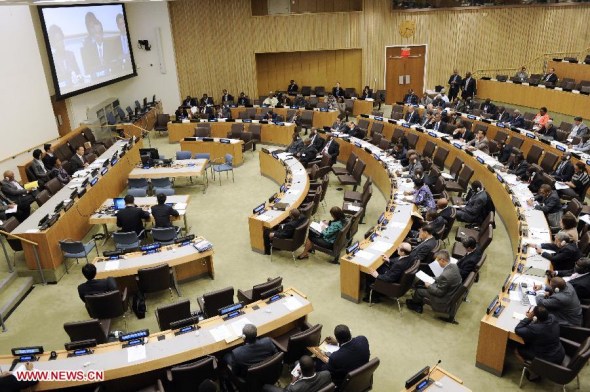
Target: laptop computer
<point>119,203</point>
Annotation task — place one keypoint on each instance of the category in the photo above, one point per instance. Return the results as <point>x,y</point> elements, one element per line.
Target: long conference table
<point>321,118</point>
<point>282,169</point>
<point>73,224</point>
<point>134,367</point>
<point>216,147</point>
<point>510,197</point>
<point>269,134</point>
<point>555,100</point>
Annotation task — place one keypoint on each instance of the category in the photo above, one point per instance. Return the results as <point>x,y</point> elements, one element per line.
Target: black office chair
<point>360,379</point>
<point>88,329</point>
<point>187,377</point>
<point>253,295</point>
<point>155,279</point>
<point>295,342</point>
<point>170,313</point>
<point>106,306</point>
<point>265,372</point>
<point>212,301</point>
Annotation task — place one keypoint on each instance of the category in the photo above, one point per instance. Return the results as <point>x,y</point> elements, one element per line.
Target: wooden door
<point>403,73</point>
<point>60,111</point>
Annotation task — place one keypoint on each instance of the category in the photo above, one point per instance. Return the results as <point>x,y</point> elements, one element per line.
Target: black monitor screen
<point>88,46</point>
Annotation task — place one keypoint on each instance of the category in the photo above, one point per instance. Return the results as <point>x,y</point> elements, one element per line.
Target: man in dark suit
<point>243,100</point>
<point>94,286</point>
<point>339,125</point>
<point>550,78</point>
<point>540,332</point>
<point>578,277</point>
<point>472,256</point>
<point>565,169</point>
<point>412,116</point>
<point>517,120</point>
<point>38,168</point>
<point>426,245</point>
<point>162,212</point>
<point>411,98</point>
<point>353,353</point>
<point>206,100</point>
<point>284,230</point>
<point>475,209</point>
<point>49,158</point>
<point>77,161</point>
<point>561,301</point>
<point>292,88</point>
<point>502,115</point>
<point>131,217</point>
<point>99,55</point>
<point>337,91</point>
<point>14,191</point>
<point>441,291</point>
<point>519,166</point>
<point>488,107</point>
<point>437,124</point>
<point>309,152</point>
<point>547,200</point>
<point>316,140</point>
<point>252,352</point>
<point>468,86</point>
<point>444,209</point>
<point>331,148</point>
<point>308,379</point>
<point>226,97</point>
<point>390,271</point>
<point>564,254</point>
<point>454,85</point>
<point>549,131</point>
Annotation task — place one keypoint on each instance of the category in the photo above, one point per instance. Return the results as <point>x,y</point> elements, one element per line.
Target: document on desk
<point>11,210</point>
<point>136,353</point>
<point>585,219</point>
<point>424,277</point>
<point>220,333</point>
<point>381,246</point>
<point>515,295</point>
<point>111,265</point>
<point>180,206</point>
<point>560,186</point>
<point>364,258</point>
<point>292,303</point>
<point>238,325</point>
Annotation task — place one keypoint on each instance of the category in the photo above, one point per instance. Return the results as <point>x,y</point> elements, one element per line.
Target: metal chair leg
<point>399,306</point>
<point>521,377</point>
<point>293,256</point>
<point>371,298</point>
<point>271,253</point>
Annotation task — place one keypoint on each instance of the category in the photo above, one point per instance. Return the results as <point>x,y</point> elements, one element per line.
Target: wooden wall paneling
<point>466,39</point>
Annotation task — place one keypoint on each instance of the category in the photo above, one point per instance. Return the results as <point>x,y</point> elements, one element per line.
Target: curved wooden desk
<point>282,170</point>
<point>320,119</point>
<point>535,97</point>
<point>269,133</point>
<point>270,319</point>
<point>508,194</point>
<point>216,148</point>
<point>73,223</point>
<point>564,69</point>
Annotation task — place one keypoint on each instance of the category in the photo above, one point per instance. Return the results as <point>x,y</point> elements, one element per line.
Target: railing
<point>536,65</point>
<point>26,241</point>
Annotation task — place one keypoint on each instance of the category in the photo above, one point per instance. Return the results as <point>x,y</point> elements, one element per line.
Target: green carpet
<point>404,342</point>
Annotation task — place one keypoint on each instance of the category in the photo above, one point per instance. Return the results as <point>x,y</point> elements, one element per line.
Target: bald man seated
<point>390,271</point>
<point>252,352</point>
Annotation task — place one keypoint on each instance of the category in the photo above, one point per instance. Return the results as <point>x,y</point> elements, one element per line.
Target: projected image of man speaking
<point>99,55</point>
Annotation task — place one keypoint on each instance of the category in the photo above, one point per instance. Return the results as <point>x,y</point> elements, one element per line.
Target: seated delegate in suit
<point>426,245</point>
<point>476,208</point>
<point>21,213</point>
<point>517,120</point>
<point>332,148</point>
<point>49,157</point>
<point>326,238</point>
<point>412,116</point>
<point>60,173</point>
<point>564,253</point>
<point>131,217</point>
<point>519,166</point>
<point>444,210</point>
<point>462,133</point>
<point>317,141</point>
<point>352,354</point>
<point>182,114</point>
<point>569,225</point>
<point>390,271</point>
<point>565,169</point>
<point>422,196</point>
<point>578,183</point>
<point>38,167</point>
<point>9,383</point>
<point>252,352</point>
<point>549,131</point>
<point>561,301</point>
<point>488,107</point>
<point>243,100</point>
<point>480,142</point>
<point>285,230</point>
<point>354,130</point>
<point>292,88</point>
<point>522,75</point>
<point>206,101</point>
<point>339,125</point>
<point>411,98</point>
<point>582,146</point>
<point>414,165</point>
<point>296,144</point>
<point>15,191</point>
<point>472,256</point>
<point>540,332</point>
<point>338,91</point>
<point>94,286</point>
<point>579,129</point>
<point>306,380</point>
<point>441,291</point>
<point>578,277</point>
<point>502,115</point>
<point>77,161</point>
<point>550,78</point>
<point>548,201</point>
<point>308,153</point>
<point>226,97</point>
<point>163,213</point>
<point>437,124</point>
<point>367,93</point>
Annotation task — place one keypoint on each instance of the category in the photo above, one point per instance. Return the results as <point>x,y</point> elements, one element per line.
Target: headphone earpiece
<point>556,290</point>
<point>535,319</point>
<point>563,243</point>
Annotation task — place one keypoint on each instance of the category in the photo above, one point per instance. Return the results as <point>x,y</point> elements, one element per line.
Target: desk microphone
<point>431,370</point>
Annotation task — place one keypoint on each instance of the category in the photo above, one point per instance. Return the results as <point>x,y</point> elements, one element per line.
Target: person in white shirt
<point>271,100</point>
<point>579,129</point>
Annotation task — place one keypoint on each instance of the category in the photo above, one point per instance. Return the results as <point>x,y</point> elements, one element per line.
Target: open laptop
<point>119,203</point>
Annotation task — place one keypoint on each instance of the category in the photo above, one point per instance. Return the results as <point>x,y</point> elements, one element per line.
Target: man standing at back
<point>162,212</point>
<point>352,354</point>
<point>252,352</point>
<point>131,217</point>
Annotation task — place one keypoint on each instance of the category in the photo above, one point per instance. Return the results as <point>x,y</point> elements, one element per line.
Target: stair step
<point>6,279</point>
<point>13,294</point>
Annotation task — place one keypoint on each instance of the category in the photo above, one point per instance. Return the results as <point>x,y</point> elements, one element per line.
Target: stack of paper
<point>425,278</point>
